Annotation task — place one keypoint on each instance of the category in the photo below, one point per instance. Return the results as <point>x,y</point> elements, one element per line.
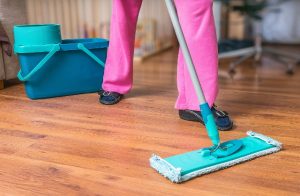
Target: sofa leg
<point>1,84</point>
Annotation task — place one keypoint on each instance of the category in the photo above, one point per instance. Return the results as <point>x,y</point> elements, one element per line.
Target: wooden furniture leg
<point>1,84</point>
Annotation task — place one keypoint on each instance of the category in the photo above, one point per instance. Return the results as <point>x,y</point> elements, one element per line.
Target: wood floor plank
<point>75,146</point>
<point>36,175</point>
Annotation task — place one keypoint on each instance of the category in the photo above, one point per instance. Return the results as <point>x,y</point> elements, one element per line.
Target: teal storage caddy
<point>58,67</point>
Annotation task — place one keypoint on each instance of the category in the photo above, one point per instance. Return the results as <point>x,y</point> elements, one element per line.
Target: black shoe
<point>222,119</point>
<point>109,98</point>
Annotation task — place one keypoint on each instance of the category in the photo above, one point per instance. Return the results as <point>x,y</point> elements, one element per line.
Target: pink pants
<point>197,22</point>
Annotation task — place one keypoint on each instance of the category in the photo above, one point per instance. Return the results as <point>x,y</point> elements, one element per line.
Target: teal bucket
<point>37,34</point>
<point>73,67</point>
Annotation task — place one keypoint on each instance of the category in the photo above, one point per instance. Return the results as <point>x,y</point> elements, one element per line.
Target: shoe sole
<point>110,103</point>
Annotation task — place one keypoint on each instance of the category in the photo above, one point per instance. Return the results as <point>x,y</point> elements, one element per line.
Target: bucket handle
<point>88,52</point>
<point>56,48</point>
<point>39,65</point>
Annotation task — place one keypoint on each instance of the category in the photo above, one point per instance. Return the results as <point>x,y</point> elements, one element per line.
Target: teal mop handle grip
<point>210,124</point>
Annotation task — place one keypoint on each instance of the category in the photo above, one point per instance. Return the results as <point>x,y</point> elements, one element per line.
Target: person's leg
<point>118,68</point>
<point>197,22</point>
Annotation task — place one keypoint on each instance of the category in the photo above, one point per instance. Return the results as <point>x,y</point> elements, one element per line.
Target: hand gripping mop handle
<point>207,115</point>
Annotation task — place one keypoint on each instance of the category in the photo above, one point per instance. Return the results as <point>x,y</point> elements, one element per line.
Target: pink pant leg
<point>118,68</point>
<point>196,18</point>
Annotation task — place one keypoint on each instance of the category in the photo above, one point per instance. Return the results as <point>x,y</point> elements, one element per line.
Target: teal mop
<point>182,167</point>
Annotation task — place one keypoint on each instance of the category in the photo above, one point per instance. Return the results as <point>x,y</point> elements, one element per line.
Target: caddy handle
<point>88,52</point>
<point>55,48</point>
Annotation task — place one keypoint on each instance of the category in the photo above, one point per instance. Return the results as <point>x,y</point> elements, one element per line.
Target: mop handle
<point>207,115</point>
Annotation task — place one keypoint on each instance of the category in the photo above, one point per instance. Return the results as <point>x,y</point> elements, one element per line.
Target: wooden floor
<point>75,146</point>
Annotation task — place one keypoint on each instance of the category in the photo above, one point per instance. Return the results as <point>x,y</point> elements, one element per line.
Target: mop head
<point>183,167</point>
